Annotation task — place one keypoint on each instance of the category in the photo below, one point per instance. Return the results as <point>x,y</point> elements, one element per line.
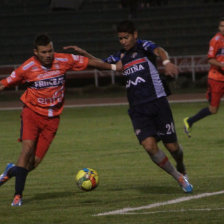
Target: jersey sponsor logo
<point>133,69</point>
<point>134,83</point>
<point>48,73</point>
<point>52,82</point>
<point>57,97</point>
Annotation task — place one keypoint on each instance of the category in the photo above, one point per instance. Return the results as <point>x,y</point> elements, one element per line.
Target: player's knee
<point>37,161</point>
<point>213,110</point>
<point>172,147</point>
<point>150,145</point>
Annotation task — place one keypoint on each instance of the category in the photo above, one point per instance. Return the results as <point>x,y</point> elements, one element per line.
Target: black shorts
<point>153,119</point>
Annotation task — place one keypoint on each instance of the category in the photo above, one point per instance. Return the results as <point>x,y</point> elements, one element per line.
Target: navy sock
<point>12,172</point>
<point>20,180</point>
<point>201,114</point>
<point>178,156</point>
<point>20,173</point>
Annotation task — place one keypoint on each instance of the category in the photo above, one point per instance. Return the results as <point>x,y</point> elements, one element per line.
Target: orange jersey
<point>45,91</point>
<point>216,51</point>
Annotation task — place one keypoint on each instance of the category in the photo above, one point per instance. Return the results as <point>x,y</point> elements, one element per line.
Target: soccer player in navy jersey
<point>149,109</point>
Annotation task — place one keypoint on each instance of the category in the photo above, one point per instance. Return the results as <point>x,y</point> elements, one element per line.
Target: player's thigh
<point>172,147</point>
<point>165,123</point>
<point>29,125</point>
<point>215,92</point>
<point>46,136</point>
<point>150,145</point>
<point>143,124</point>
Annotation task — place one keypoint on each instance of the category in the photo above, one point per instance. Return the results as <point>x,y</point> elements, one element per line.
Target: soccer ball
<point>87,179</point>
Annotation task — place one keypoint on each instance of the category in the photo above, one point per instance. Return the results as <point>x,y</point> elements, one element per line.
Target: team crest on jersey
<point>34,69</point>
<point>134,55</point>
<point>137,131</point>
<point>57,66</point>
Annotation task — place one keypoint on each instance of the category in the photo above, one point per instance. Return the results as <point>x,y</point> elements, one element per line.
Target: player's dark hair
<point>41,40</point>
<point>221,19</point>
<point>126,27</point>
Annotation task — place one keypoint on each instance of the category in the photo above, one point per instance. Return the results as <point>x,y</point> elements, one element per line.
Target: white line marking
<point>106,104</point>
<point>72,106</point>
<point>158,204</point>
<point>174,211</point>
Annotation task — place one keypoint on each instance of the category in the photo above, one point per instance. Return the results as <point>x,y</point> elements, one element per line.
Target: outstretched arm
<point>93,61</point>
<point>170,68</point>
<point>213,61</point>
<point>1,86</point>
<point>81,51</point>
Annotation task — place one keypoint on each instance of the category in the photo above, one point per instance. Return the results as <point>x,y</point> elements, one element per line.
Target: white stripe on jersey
<point>25,67</point>
<point>157,83</point>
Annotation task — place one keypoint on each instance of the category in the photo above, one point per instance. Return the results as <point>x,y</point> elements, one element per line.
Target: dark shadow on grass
<point>160,190</point>
<point>57,195</point>
<point>51,195</point>
<point>149,189</point>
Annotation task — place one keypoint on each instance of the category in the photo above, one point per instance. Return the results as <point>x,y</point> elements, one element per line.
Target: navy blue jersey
<point>139,67</point>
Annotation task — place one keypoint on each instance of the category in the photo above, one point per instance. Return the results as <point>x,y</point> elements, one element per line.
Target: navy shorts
<point>153,119</point>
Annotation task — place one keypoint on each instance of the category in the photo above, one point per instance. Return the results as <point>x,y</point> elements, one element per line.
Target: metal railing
<point>192,64</point>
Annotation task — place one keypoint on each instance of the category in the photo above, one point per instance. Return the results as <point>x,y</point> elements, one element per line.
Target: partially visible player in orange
<point>215,79</point>
<point>43,100</point>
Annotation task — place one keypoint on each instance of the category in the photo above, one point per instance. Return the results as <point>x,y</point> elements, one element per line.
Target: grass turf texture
<point>102,138</point>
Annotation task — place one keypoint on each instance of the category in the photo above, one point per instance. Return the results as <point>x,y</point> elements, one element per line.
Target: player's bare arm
<point>93,61</point>
<point>213,61</point>
<point>98,63</point>
<point>170,68</point>
<point>80,51</point>
<point>1,86</point>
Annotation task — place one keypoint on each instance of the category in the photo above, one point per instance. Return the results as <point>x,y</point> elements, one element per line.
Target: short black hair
<point>42,40</point>
<point>126,26</point>
<point>221,19</point>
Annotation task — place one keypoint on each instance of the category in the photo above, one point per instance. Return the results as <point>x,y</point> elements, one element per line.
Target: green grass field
<point>102,138</point>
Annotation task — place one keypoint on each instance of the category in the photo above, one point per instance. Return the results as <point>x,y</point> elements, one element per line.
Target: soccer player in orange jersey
<point>43,102</point>
<point>215,79</point>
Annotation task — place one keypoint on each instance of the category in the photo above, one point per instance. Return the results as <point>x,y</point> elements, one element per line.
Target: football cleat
<point>4,176</point>
<point>187,128</point>
<point>186,177</point>
<point>185,185</point>
<point>17,201</point>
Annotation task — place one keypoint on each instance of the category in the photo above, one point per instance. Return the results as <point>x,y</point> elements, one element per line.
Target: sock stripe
<point>163,162</point>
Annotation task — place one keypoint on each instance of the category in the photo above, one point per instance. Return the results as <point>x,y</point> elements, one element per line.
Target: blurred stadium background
<point>183,27</point>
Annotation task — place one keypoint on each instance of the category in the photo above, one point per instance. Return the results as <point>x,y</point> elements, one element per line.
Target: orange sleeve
<point>213,46</point>
<point>15,78</point>
<point>80,62</point>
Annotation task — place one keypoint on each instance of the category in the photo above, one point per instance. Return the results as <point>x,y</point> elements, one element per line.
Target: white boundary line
<point>174,211</point>
<point>107,104</point>
<point>159,204</point>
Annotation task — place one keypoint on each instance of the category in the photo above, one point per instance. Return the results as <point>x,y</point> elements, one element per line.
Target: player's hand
<point>77,49</point>
<point>171,69</point>
<point>119,66</point>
